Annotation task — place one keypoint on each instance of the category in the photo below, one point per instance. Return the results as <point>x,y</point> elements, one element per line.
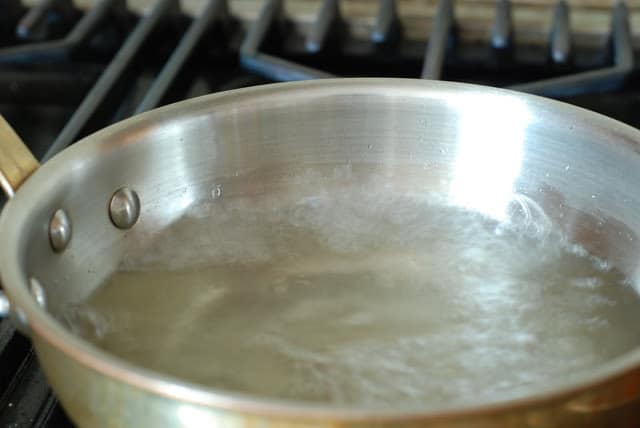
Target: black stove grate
<point>73,72</point>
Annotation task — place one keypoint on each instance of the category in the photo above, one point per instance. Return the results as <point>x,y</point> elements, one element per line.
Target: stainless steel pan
<point>73,221</point>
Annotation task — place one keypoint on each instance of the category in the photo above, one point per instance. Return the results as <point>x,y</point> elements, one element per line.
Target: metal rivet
<point>38,292</point>
<point>124,208</point>
<point>59,231</point>
<point>5,307</point>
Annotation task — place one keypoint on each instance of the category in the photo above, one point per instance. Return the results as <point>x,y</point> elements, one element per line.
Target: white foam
<point>363,295</point>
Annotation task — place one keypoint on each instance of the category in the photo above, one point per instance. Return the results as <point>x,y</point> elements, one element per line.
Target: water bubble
<point>216,192</point>
<point>567,167</point>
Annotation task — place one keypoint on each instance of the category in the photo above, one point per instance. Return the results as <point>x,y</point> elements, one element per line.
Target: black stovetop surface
<point>65,73</point>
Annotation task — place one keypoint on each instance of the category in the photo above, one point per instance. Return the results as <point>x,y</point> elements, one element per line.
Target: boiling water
<point>357,300</point>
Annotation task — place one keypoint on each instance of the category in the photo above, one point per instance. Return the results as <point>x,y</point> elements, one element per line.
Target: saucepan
<point>96,206</point>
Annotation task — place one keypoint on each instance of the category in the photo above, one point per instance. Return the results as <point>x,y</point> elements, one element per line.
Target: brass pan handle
<point>16,165</point>
<point>16,161</point>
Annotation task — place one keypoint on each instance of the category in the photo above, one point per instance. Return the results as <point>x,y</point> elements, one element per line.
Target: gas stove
<point>68,69</point>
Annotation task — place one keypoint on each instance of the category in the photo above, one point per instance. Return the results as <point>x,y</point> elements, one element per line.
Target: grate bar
<point>328,16</point>
<point>59,50</point>
<point>281,70</point>
<point>621,36</point>
<point>270,11</point>
<point>188,43</point>
<point>107,81</point>
<point>387,22</point>
<point>267,65</point>
<point>47,410</point>
<point>605,79</point>
<point>34,24</point>
<point>501,32</point>
<point>437,45</point>
<point>27,397</point>
<point>6,333</point>
<point>10,11</point>
<point>560,34</point>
